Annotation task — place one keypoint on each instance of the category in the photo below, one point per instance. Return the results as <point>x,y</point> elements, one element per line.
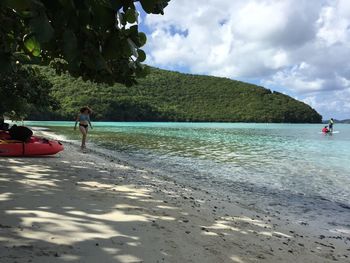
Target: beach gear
<point>33,146</point>
<point>3,125</point>
<point>20,133</point>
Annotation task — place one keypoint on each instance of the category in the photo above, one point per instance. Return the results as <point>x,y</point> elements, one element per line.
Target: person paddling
<point>330,124</point>
<point>84,121</point>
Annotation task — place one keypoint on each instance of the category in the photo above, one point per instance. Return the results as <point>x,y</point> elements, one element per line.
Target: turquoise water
<point>241,158</point>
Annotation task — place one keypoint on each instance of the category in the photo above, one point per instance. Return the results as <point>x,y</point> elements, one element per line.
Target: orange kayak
<point>33,147</point>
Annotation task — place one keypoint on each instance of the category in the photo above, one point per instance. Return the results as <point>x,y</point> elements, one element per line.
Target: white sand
<point>76,207</point>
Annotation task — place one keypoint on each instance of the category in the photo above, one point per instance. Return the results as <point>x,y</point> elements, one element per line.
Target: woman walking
<point>84,121</point>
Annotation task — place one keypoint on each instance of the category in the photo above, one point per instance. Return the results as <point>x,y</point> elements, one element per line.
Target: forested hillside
<point>172,96</point>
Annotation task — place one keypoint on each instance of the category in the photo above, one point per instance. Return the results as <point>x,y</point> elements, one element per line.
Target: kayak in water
<point>329,132</point>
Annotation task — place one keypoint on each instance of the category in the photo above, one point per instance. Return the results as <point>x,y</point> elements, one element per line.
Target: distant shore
<point>91,207</point>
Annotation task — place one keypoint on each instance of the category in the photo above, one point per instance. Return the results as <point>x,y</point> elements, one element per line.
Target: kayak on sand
<point>34,146</point>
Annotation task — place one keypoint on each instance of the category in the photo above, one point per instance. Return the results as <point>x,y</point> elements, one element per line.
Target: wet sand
<point>90,207</point>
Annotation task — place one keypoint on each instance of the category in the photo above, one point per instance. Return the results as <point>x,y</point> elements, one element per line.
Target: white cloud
<point>295,79</point>
<point>332,103</point>
<point>298,47</point>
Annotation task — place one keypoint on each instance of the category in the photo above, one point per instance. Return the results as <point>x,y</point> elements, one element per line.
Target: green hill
<point>172,96</point>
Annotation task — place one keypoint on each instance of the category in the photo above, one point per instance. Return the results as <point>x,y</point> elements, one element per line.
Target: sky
<point>297,47</point>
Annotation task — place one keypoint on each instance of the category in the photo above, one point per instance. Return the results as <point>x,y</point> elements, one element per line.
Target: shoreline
<point>77,207</point>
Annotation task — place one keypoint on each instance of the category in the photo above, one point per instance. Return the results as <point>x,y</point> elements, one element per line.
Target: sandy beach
<point>90,207</point>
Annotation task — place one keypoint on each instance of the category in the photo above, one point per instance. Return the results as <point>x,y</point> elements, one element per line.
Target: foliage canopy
<point>96,39</point>
<point>23,90</point>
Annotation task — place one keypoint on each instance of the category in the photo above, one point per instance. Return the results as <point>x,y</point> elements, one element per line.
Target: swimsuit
<point>83,117</point>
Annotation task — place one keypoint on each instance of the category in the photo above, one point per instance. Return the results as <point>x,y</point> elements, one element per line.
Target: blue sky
<point>301,49</point>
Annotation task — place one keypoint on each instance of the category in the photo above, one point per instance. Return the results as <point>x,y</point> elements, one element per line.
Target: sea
<point>265,166</point>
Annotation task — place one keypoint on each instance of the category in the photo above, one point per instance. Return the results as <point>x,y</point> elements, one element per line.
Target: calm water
<point>275,158</point>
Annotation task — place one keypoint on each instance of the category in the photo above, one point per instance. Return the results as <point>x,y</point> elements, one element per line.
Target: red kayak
<point>33,147</point>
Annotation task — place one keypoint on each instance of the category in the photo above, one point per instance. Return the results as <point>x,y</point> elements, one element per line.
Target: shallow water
<point>255,158</point>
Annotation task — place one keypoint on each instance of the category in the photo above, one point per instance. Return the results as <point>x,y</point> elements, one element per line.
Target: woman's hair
<point>85,108</point>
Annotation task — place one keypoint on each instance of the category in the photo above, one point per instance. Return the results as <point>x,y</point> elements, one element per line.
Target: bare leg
<point>83,131</point>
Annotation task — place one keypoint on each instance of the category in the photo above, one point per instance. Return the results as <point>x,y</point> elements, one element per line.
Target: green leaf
<point>141,55</point>
<point>131,16</point>
<point>32,45</point>
<point>154,6</point>
<point>142,39</point>
<point>148,5</point>
<point>133,32</point>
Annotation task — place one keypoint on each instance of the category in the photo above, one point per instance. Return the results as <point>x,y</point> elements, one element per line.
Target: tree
<point>96,39</point>
<point>23,88</point>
